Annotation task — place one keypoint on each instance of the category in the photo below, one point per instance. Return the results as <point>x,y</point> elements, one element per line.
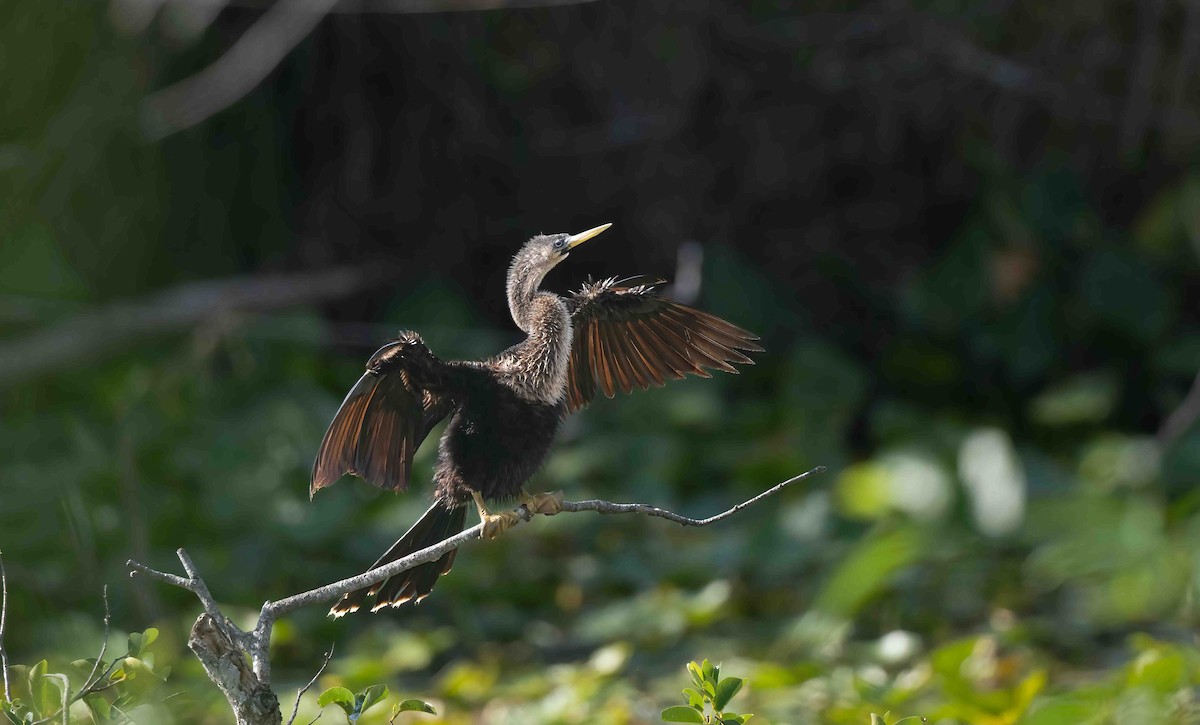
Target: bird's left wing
<point>385,417</point>
<point>627,336</point>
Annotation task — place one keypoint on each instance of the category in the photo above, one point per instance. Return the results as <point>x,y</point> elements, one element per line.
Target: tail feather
<point>435,525</point>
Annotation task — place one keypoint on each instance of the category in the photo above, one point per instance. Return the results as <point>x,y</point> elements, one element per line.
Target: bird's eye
<point>560,243</point>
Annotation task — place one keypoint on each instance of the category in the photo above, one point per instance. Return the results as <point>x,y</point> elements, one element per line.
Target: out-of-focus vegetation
<point>969,234</point>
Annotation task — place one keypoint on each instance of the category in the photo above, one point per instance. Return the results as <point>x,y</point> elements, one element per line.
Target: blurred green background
<point>968,233</point>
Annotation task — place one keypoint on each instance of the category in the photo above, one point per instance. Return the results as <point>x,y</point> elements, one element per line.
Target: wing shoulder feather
<point>627,337</point>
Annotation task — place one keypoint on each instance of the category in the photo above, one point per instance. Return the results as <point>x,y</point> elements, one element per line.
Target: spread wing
<point>385,417</point>
<point>628,337</point>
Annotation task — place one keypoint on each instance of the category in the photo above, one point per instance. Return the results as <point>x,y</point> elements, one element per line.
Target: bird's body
<point>505,411</point>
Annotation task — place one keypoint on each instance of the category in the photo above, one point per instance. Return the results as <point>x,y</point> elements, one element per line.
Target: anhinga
<point>504,411</point>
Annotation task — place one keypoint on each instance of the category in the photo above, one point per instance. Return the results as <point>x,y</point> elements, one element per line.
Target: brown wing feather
<point>628,337</point>
<point>384,418</point>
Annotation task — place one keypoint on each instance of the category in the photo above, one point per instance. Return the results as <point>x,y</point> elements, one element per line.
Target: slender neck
<point>523,282</point>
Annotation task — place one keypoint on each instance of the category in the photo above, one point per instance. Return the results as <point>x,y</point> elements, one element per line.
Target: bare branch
<point>96,334</point>
<point>238,71</point>
<point>251,699</point>
<point>91,680</point>
<point>3,621</point>
<point>264,46</point>
<point>296,707</point>
<point>220,644</point>
<point>607,507</point>
<point>162,576</point>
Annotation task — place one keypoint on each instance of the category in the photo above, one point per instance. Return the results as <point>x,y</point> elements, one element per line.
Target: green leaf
<point>697,676</point>
<point>339,696</point>
<point>416,705</point>
<point>101,708</point>
<point>876,720</point>
<point>52,693</point>
<point>726,689</point>
<point>710,672</point>
<point>372,695</point>
<point>695,699</point>
<point>681,713</point>
<point>149,636</point>
<point>135,644</point>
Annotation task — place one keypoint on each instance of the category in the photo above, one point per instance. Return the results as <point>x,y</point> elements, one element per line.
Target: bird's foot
<point>544,503</point>
<point>496,524</point>
<point>493,524</point>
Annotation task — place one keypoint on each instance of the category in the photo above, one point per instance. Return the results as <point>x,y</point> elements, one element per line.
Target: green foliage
<point>708,700</point>
<point>1001,525</point>
<point>89,690</point>
<point>354,705</point>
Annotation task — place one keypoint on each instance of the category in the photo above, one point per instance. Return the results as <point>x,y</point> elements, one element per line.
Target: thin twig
<point>296,707</point>
<point>608,507</point>
<point>90,681</point>
<point>162,576</point>
<point>3,621</point>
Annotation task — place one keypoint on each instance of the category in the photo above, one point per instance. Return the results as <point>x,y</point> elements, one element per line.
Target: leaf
<point>681,713</point>
<point>876,720</point>
<point>710,672</point>
<point>149,636</point>
<point>726,689</point>
<point>372,695</point>
<point>55,688</point>
<point>340,696</point>
<point>695,699</point>
<point>415,705</point>
<point>100,706</point>
<point>697,676</point>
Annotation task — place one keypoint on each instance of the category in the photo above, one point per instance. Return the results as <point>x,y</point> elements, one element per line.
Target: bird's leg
<point>493,524</point>
<point>543,503</point>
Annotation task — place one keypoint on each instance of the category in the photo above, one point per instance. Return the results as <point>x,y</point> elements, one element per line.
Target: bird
<point>612,335</point>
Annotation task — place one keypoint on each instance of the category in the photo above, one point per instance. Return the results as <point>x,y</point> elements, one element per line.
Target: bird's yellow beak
<point>576,239</point>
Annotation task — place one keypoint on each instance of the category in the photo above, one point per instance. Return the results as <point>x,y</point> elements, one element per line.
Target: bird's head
<point>541,253</point>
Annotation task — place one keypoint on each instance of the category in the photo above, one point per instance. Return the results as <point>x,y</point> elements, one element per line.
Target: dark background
<point>967,233</point>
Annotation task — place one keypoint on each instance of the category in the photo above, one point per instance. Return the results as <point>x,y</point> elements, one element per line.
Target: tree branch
<point>222,646</point>
<point>98,333</point>
<point>300,694</point>
<point>3,621</point>
<point>256,643</point>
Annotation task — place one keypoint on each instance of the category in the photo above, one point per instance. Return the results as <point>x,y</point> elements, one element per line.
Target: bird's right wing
<point>385,417</point>
<point>628,336</point>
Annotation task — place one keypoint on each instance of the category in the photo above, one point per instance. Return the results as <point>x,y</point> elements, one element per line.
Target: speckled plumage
<point>505,411</point>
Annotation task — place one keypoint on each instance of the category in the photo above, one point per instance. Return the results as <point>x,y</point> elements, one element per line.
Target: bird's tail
<point>437,524</point>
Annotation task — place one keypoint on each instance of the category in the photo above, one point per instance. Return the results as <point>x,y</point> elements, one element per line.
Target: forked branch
<point>226,645</point>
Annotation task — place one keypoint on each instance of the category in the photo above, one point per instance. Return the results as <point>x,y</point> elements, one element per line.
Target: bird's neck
<point>523,283</point>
